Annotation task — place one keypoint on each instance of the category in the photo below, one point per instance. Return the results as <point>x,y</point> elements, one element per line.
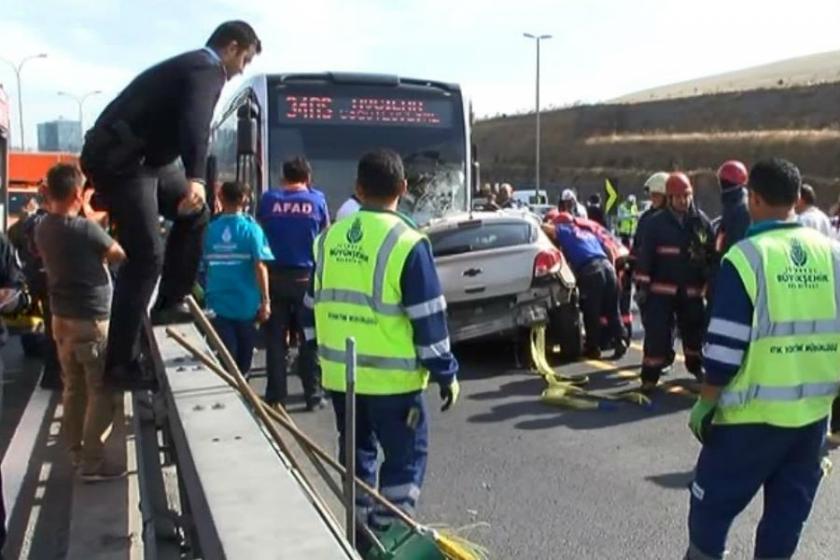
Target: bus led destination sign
<point>381,111</point>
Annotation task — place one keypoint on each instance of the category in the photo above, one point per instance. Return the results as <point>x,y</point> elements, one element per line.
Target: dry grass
<point>814,136</point>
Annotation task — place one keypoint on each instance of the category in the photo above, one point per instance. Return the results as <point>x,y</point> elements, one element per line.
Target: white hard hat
<point>568,194</point>
<point>656,183</point>
<point>631,198</point>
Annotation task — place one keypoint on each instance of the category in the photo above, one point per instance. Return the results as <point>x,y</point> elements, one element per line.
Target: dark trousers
<point>397,423</point>
<point>625,296</point>
<point>239,338</point>
<point>287,288</point>
<point>835,416</point>
<point>599,298</point>
<point>734,464</point>
<point>52,368</point>
<point>135,202</point>
<point>661,312</point>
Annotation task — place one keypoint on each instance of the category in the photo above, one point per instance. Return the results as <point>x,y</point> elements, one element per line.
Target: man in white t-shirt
<point>350,206</point>
<point>808,213</point>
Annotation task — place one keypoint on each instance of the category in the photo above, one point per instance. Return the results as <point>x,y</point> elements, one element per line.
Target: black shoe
<point>317,403</point>
<point>648,387</point>
<point>592,354</point>
<point>171,314</point>
<point>620,349</point>
<point>130,377</point>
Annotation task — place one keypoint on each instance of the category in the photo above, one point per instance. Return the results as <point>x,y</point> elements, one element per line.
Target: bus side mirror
<point>212,178</point>
<point>475,171</point>
<point>246,131</point>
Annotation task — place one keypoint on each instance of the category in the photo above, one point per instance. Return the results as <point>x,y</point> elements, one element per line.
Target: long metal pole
<point>20,106</point>
<point>350,440</point>
<point>537,104</point>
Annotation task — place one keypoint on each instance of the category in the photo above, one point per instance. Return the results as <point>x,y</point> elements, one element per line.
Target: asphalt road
<point>549,483</point>
<point>534,481</point>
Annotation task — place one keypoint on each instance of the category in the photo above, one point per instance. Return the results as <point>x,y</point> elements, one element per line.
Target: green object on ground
<point>403,543</point>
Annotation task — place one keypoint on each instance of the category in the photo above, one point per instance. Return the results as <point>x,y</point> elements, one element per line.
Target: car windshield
<point>479,236</point>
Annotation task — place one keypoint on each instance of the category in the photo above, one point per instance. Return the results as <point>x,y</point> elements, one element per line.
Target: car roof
<point>499,216</point>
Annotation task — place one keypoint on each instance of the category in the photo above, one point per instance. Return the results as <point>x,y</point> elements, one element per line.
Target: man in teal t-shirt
<point>235,253</point>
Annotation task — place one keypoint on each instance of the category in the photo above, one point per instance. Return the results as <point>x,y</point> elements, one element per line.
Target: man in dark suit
<point>132,154</point>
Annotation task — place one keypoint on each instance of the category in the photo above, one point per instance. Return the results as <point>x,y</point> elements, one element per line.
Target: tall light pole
<point>538,39</point>
<point>17,68</point>
<point>80,101</point>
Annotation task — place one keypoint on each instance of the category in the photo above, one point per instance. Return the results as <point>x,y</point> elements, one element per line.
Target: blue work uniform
<point>597,282</point>
<point>233,245</point>
<point>292,218</point>
<point>399,422</point>
<point>739,459</point>
<point>672,267</point>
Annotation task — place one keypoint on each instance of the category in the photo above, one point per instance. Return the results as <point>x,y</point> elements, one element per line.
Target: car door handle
<point>476,290</point>
<point>472,272</point>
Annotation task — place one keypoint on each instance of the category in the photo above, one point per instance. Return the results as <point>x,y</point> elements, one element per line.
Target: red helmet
<point>734,172</point>
<point>563,218</point>
<point>678,183</point>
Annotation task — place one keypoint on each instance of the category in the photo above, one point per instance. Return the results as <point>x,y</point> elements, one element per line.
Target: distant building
<point>60,136</point>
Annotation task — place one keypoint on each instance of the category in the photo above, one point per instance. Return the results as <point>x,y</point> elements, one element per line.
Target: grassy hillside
<point>627,142</point>
<point>801,71</point>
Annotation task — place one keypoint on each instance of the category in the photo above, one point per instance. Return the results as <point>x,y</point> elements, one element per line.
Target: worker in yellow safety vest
<point>772,369</point>
<point>375,280</point>
<point>628,217</point>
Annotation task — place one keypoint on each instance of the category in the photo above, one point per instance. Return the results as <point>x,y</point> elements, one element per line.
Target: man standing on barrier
<point>132,157</point>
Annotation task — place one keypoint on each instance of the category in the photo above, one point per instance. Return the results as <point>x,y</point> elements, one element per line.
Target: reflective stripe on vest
<point>768,393</point>
<point>764,326</point>
<point>366,360</point>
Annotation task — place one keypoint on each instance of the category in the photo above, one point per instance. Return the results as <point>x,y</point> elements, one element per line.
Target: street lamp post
<point>17,68</point>
<point>537,39</point>
<point>80,101</point>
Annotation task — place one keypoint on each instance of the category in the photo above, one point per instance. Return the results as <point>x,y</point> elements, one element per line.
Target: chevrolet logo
<point>472,272</point>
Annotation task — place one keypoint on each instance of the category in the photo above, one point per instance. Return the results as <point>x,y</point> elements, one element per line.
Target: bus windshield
<point>333,126</point>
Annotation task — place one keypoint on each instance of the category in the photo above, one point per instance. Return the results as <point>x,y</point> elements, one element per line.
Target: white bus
<point>332,119</point>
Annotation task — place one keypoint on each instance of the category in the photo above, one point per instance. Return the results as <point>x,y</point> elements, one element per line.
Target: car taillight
<point>547,262</point>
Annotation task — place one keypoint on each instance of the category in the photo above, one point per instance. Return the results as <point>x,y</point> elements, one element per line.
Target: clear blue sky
<point>601,48</point>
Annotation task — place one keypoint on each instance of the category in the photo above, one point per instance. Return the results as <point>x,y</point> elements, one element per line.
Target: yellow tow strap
<point>565,391</point>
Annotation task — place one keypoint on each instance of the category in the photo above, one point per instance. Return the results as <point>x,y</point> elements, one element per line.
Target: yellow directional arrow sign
<point>612,196</point>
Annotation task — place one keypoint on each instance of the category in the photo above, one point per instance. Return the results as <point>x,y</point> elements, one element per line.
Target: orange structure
<point>27,170</point>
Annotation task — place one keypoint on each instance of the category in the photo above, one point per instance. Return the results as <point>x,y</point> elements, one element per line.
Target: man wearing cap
<point>569,203</point>
<point>671,273</point>
<point>628,219</point>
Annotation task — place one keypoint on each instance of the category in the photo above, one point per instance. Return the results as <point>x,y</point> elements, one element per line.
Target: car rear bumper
<point>497,316</point>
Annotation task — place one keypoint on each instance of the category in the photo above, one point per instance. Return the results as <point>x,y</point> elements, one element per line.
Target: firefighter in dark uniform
<point>672,270</point>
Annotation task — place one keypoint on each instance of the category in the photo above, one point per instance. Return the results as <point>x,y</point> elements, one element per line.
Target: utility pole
<point>538,39</point>
<point>17,68</point>
<point>80,101</point>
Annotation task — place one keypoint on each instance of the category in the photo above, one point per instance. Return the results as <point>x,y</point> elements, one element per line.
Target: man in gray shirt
<point>75,251</point>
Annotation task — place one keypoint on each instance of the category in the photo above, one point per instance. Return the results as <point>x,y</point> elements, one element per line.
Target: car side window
<point>480,236</point>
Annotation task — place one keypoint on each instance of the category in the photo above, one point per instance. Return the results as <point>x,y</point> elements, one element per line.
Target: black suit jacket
<point>169,108</point>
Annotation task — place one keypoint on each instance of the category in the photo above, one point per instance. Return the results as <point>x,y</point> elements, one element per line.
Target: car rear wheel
<point>565,330</point>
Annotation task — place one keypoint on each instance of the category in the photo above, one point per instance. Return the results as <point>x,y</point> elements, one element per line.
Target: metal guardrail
<point>239,497</point>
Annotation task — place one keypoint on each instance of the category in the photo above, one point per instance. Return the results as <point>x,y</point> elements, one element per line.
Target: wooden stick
<point>242,385</point>
<point>299,435</point>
